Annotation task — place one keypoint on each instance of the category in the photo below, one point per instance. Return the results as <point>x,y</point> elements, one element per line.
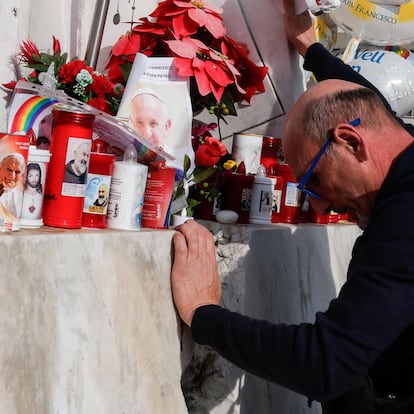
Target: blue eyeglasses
<point>305,178</point>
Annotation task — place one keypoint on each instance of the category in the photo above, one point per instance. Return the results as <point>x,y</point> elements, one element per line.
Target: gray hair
<point>321,115</point>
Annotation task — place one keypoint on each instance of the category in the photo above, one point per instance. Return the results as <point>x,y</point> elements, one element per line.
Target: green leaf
<point>60,60</point>
<point>179,190</point>
<point>40,67</point>
<point>46,59</point>
<point>228,101</point>
<point>202,173</point>
<point>187,164</point>
<point>126,70</point>
<point>191,204</point>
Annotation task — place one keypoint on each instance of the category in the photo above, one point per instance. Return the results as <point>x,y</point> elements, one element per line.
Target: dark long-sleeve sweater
<point>375,306</point>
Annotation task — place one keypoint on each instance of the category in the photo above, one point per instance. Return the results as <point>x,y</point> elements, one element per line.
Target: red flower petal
<point>215,26</point>
<point>209,153</point>
<point>10,85</point>
<point>184,26</point>
<point>215,72</point>
<point>198,15</point>
<point>183,49</point>
<point>127,45</point>
<point>56,46</point>
<point>184,66</point>
<point>203,82</point>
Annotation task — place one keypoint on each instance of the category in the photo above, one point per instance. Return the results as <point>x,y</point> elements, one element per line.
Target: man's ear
<point>168,124</point>
<point>349,137</point>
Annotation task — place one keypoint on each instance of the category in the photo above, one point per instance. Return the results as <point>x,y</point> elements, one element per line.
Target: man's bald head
<point>329,103</point>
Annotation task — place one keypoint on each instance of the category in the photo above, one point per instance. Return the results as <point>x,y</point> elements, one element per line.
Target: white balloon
<point>391,73</point>
<point>390,2</point>
<point>326,30</point>
<point>377,24</point>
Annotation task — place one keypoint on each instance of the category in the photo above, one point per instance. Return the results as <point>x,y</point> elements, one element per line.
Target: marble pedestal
<point>87,323</point>
<point>282,273</point>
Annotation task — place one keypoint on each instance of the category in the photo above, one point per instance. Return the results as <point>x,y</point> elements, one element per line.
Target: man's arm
<point>301,34</point>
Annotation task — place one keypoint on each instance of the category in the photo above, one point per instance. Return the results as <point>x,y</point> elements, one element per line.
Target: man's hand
<point>299,28</point>
<point>318,7</point>
<point>194,277</point>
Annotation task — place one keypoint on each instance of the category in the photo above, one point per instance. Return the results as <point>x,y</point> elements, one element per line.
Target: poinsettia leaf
<point>203,82</point>
<point>215,26</point>
<point>183,4</point>
<point>199,16</point>
<point>183,49</point>
<point>212,8</point>
<point>184,26</point>
<point>216,72</point>
<point>216,89</point>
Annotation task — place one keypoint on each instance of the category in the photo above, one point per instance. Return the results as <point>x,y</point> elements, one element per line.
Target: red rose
<point>209,153</point>
<point>101,86</point>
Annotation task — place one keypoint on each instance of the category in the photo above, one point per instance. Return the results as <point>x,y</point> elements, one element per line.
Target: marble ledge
<point>88,324</point>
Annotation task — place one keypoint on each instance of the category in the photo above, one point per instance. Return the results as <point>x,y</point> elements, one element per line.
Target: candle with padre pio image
<point>70,146</point>
<point>98,184</point>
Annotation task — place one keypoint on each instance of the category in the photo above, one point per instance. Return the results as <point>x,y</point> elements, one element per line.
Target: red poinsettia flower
<point>209,153</point>
<point>145,38</point>
<point>188,16</point>
<point>152,28</point>
<point>251,79</point>
<point>127,45</point>
<point>211,71</point>
<point>114,68</point>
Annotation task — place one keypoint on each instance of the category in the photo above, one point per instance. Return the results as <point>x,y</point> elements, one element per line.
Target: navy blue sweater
<point>374,308</point>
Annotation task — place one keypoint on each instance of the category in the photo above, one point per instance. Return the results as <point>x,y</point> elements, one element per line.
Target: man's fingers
<point>180,247</point>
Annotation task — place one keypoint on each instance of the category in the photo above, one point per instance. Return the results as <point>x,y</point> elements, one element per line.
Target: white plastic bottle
<point>126,195</point>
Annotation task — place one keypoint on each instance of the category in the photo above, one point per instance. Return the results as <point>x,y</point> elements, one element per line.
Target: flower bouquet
<point>192,32</point>
<point>199,188</point>
<point>75,78</point>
